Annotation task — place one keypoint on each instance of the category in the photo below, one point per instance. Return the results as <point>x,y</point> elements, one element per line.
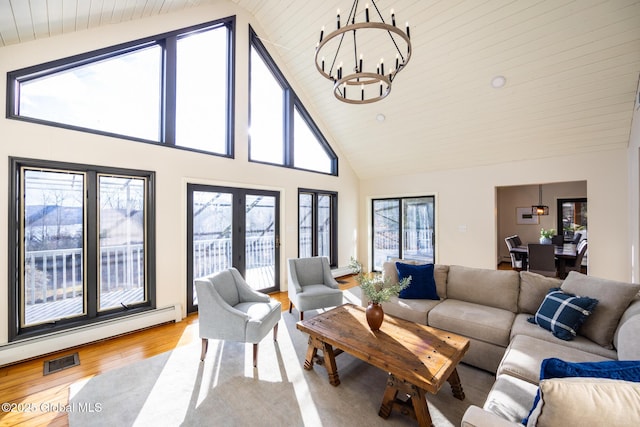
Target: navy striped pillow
<point>563,313</point>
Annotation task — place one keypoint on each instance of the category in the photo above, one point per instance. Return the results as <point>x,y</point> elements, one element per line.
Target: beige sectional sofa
<point>491,307</point>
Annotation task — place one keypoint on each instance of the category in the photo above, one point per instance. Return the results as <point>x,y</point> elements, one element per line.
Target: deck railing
<point>53,275</point>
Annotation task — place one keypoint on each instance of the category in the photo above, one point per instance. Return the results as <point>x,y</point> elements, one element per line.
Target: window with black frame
<point>572,218</point>
<point>174,89</point>
<point>403,228</point>
<point>318,224</point>
<point>82,247</point>
<point>281,131</point>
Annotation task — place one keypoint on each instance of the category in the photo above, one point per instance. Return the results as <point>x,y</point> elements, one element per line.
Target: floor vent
<point>61,363</point>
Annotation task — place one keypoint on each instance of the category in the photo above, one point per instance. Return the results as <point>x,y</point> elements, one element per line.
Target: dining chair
<point>557,240</point>
<point>576,265</point>
<point>542,259</point>
<point>516,259</point>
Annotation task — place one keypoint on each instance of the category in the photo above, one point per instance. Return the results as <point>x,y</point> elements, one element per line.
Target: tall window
<point>318,224</point>
<point>403,228</point>
<point>281,130</point>
<point>83,246</point>
<point>175,89</point>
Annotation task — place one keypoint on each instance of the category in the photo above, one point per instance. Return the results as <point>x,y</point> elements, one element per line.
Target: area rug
<point>176,389</point>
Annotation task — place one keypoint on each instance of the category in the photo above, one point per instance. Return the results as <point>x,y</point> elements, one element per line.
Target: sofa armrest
<point>475,416</point>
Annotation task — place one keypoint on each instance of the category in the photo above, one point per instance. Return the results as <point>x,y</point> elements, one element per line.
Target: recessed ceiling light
<point>380,117</point>
<point>498,82</point>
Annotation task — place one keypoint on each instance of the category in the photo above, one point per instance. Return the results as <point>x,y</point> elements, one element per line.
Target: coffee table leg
<point>456,385</point>
<point>329,359</point>
<point>311,354</point>
<point>330,364</point>
<point>417,408</point>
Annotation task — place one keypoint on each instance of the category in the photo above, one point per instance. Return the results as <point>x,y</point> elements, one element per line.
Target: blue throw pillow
<point>423,284</point>
<point>563,313</point>
<point>626,370</point>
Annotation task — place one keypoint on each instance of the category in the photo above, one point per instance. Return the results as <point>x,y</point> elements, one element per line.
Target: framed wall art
<point>524,216</point>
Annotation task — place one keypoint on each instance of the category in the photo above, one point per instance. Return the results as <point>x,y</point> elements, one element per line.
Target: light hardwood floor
<point>34,398</point>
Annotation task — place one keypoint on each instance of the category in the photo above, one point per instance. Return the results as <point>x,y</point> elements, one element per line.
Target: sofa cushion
<point>440,273</point>
<point>484,323</point>
<point>586,401</point>
<point>511,398</point>
<point>492,288</point>
<point>533,289</point>
<point>522,327</point>
<point>422,285</point>
<point>413,310</point>
<point>563,313</point>
<point>523,358</point>
<point>614,297</point>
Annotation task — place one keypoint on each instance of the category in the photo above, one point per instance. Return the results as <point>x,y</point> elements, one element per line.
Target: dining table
<point>563,253</point>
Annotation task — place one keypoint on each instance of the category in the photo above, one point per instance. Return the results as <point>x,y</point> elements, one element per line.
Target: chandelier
<point>363,58</point>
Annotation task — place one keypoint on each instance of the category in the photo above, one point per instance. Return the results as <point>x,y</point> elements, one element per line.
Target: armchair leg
<point>255,355</point>
<point>205,346</point>
<point>275,332</point>
<point>301,315</point>
<point>290,307</point>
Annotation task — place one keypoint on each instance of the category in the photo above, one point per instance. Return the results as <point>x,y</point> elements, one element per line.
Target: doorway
<point>232,227</point>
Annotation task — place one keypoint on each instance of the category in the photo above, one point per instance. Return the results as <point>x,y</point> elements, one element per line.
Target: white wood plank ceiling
<point>571,71</point>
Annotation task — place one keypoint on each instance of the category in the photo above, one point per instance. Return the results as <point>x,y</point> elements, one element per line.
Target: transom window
<point>281,130</point>
<point>174,89</point>
<point>83,245</point>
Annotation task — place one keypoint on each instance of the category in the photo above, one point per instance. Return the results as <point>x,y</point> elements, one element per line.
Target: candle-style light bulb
<point>393,18</point>
<point>321,33</point>
<point>362,91</point>
<point>338,18</point>
<point>344,90</point>
<point>366,12</point>
<point>407,25</point>
<point>323,63</point>
<point>382,66</point>
<point>397,60</point>
<point>361,63</point>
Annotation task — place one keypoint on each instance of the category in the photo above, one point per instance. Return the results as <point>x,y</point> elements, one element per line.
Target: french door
<point>232,227</point>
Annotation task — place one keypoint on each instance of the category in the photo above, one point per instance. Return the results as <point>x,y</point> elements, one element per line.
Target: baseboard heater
<point>38,346</point>
<point>341,271</point>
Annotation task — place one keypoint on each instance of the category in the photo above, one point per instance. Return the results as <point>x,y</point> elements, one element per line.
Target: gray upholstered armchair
<point>311,285</point>
<point>229,309</point>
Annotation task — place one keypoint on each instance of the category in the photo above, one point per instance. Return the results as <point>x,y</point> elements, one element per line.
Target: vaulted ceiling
<point>571,70</point>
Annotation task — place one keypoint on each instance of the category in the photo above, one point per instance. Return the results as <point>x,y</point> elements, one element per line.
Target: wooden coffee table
<point>418,358</point>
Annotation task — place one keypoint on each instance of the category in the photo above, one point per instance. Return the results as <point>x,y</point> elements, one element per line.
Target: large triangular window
<point>281,131</point>
<point>174,89</point>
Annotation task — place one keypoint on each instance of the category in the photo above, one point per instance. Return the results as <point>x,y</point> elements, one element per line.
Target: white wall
<point>634,193</point>
<point>466,209</point>
<point>174,168</point>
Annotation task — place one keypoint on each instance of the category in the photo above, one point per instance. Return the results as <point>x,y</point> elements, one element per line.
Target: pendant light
<point>540,209</point>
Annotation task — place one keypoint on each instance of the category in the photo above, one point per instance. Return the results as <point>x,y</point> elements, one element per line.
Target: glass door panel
<point>386,231</point>
<point>260,241</point>
<point>417,229</point>
<point>211,233</point>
